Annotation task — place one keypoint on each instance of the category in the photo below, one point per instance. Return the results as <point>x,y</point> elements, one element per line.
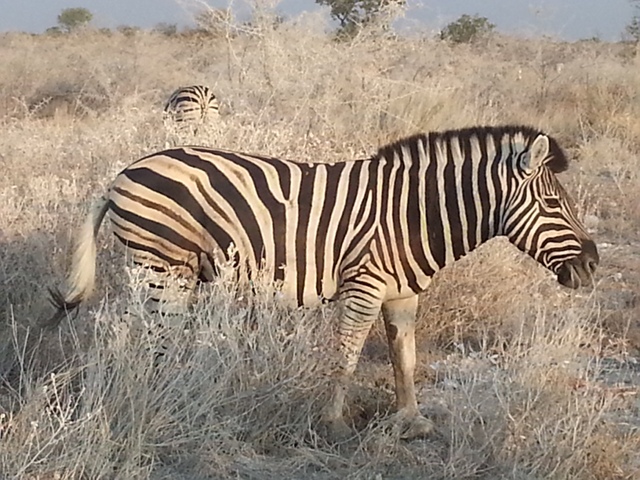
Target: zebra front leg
<point>399,321</point>
<point>360,311</point>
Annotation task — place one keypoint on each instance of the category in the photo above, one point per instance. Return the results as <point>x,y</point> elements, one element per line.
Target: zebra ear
<point>538,152</point>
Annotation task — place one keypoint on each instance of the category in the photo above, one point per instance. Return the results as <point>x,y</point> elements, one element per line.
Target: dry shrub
<point>510,363</point>
<point>222,390</point>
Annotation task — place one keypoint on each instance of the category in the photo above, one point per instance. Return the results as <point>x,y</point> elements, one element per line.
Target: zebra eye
<point>552,202</point>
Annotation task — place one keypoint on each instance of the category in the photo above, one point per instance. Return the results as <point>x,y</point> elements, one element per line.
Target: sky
<point>566,19</point>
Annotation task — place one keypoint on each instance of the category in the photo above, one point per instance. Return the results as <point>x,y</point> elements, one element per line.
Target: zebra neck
<point>435,211</point>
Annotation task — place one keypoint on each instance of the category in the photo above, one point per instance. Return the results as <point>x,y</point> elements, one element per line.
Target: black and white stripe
<point>191,106</point>
<point>370,232</point>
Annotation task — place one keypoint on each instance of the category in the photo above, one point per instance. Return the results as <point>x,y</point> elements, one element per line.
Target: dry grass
<point>524,379</point>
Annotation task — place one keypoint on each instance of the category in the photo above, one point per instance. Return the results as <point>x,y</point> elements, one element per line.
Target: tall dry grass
<point>524,379</point>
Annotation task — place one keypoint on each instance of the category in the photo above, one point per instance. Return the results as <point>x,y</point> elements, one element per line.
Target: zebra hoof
<point>415,426</point>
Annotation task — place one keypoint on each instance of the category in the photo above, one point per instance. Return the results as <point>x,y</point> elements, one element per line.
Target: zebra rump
<point>192,104</point>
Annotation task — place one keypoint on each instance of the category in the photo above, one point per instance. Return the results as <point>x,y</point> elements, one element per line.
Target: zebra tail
<point>81,279</point>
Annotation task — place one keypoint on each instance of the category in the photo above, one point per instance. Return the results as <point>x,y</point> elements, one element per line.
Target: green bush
<point>71,19</point>
<point>53,31</point>
<point>128,30</point>
<point>167,29</point>
<point>355,14</point>
<point>467,29</point>
<point>633,29</point>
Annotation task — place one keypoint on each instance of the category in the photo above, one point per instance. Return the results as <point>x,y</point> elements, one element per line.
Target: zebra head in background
<point>539,216</point>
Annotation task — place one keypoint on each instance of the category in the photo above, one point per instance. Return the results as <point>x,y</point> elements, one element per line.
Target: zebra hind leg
<point>162,298</point>
<point>359,314</point>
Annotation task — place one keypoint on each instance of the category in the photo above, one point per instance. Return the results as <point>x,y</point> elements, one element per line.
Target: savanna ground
<point>524,379</point>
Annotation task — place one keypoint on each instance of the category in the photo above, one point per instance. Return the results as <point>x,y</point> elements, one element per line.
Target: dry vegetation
<point>524,379</point>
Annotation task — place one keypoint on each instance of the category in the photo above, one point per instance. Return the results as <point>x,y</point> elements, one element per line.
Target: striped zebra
<point>191,106</point>
<point>371,232</point>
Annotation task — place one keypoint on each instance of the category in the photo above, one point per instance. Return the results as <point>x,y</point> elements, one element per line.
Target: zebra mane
<point>557,160</point>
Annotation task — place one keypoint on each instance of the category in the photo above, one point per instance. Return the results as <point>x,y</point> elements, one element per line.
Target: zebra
<point>191,106</point>
<point>370,233</point>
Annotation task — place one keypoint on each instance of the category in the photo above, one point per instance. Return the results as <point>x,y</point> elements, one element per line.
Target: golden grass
<point>524,379</point>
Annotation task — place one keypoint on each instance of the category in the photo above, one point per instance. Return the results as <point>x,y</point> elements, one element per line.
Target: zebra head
<point>540,216</point>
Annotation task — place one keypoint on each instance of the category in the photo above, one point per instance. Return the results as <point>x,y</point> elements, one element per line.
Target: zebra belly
<point>296,286</point>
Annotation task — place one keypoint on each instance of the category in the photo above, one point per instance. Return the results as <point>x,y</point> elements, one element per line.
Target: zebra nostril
<point>590,253</point>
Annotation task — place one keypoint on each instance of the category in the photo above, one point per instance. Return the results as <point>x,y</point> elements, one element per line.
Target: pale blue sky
<point>569,19</point>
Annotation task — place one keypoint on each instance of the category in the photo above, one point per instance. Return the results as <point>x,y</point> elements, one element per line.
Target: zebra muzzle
<point>579,270</point>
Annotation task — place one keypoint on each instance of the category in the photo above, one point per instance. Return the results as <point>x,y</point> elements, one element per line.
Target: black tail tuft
<point>62,306</point>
